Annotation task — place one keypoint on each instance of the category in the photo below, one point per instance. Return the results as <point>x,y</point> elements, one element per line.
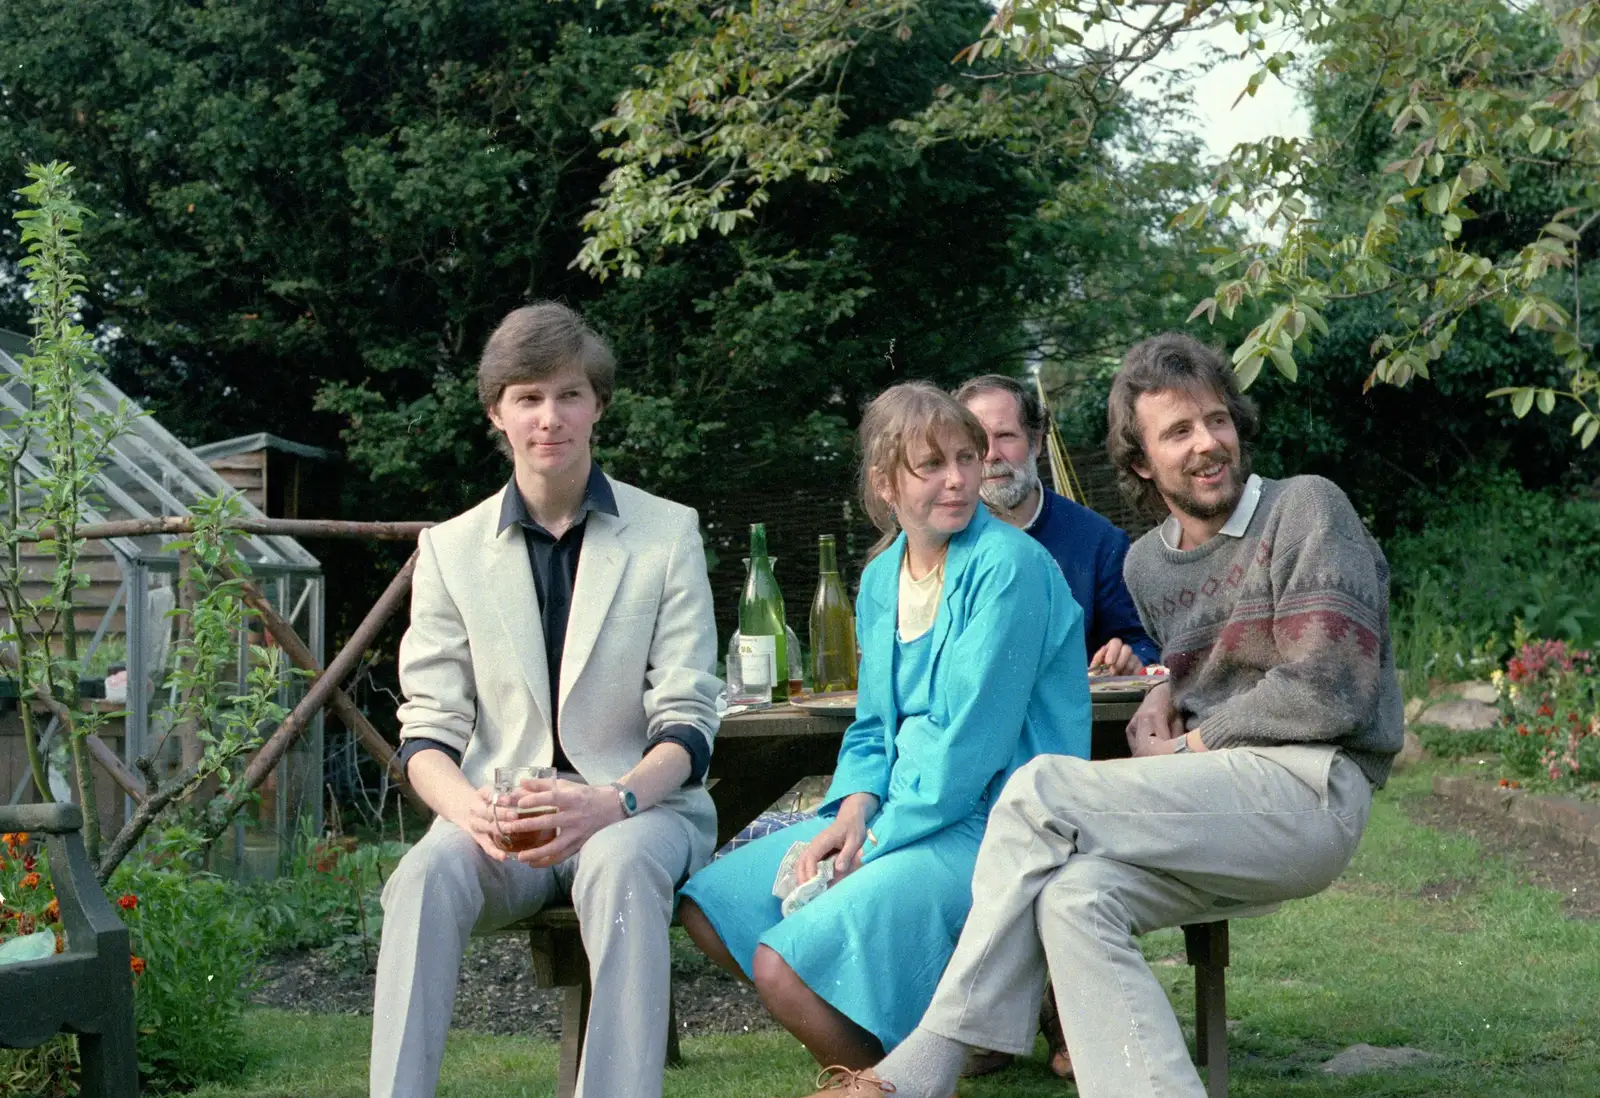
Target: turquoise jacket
<point>1010,681</point>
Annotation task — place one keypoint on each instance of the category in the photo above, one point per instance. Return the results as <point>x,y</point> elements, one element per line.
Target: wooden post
<point>339,669</point>
<point>301,656</point>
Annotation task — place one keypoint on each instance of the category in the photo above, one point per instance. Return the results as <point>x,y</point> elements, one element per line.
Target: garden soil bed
<point>1538,857</point>
<point>496,993</point>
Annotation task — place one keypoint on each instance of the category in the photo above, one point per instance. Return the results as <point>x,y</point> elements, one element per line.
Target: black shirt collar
<point>597,496</point>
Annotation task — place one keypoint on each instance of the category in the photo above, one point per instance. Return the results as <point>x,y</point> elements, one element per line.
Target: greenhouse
<point>127,632</point>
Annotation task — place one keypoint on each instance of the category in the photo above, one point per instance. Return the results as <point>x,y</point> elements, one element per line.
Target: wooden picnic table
<point>760,755</point>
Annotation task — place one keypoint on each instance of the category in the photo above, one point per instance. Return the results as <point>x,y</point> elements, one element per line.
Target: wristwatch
<point>630,803</point>
<point>1180,746</point>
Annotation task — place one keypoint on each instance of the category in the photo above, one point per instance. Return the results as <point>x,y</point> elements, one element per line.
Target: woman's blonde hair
<point>896,416</point>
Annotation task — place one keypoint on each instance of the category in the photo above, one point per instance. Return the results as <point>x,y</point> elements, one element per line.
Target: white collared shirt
<point>1237,523</point>
<point>1039,509</point>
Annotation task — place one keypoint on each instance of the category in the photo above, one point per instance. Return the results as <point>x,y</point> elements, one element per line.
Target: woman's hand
<point>580,811</point>
<point>841,839</point>
<point>1154,722</point>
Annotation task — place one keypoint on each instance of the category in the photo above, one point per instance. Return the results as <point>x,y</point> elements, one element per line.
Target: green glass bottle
<point>833,625</point>
<point>763,648</point>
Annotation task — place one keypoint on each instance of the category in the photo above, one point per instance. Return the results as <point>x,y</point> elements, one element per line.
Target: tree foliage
<point>1476,96</point>
<point>315,212</point>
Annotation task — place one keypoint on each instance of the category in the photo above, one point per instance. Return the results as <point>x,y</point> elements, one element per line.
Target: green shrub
<point>196,954</point>
<point>1446,743</point>
<point>328,897</point>
<point>1489,559</point>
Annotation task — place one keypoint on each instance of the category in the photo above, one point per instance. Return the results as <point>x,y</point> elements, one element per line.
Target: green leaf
<point>1589,433</point>
<point>1436,199</point>
<point>1316,319</point>
<point>1284,361</point>
<point>1539,139</point>
<point>1521,402</point>
<point>1546,400</point>
<point>1249,369</point>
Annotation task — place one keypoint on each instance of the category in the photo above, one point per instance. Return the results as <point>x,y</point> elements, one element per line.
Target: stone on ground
<point>1484,692</point>
<point>1410,753</point>
<point>1360,1059</point>
<point>1460,715</point>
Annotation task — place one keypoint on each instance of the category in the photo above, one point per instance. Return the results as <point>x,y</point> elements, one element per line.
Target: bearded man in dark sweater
<point>1253,766</point>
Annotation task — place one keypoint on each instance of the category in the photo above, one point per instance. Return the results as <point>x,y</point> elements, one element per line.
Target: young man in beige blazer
<point>564,621</point>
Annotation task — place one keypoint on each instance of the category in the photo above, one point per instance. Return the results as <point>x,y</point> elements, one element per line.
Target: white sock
<point>924,1065</point>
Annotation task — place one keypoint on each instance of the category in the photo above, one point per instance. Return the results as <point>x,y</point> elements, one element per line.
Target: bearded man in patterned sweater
<point>1253,767</point>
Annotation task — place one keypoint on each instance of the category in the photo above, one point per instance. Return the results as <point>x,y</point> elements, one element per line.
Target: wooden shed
<point>284,479</point>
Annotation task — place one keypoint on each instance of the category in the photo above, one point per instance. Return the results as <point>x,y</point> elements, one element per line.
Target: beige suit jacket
<point>640,650</point>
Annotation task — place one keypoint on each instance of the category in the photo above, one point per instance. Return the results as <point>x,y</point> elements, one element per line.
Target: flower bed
<point>1550,716</point>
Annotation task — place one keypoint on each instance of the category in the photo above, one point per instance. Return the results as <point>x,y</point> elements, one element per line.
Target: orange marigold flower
<point>26,924</point>
<point>1522,730</point>
<point>137,965</point>
<point>127,901</point>
<point>1546,711</point>
<point>61,943</point>
<point>52,911</point>
<point>30,881</point>
<point>29,864</point>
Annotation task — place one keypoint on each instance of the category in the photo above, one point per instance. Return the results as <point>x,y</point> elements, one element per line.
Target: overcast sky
<point>1275,109</point>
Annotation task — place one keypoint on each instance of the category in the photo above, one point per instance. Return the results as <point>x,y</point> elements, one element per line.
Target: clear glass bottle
<point>833,625</point>
<point>763,643</point>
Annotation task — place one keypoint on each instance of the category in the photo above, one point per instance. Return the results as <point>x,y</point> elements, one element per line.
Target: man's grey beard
<point>1003,495</point>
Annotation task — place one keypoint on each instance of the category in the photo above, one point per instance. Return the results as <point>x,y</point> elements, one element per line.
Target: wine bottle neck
<point>827,559</point>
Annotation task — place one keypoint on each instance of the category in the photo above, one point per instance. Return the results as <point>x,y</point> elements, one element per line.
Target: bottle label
<point>758,661</point>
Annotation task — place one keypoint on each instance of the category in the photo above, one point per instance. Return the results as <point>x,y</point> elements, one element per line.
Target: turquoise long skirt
<point>874,945</point>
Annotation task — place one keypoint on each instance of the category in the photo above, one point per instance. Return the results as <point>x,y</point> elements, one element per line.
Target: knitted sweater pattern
<point>1280,636</point>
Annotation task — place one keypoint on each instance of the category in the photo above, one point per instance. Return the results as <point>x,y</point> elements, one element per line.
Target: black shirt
<point>555,570</point>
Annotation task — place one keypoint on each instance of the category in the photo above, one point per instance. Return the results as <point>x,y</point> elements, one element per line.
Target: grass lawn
<point>1424,942</point>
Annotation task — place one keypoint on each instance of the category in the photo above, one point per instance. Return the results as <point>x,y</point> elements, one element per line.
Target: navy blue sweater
<point>1090,551</point>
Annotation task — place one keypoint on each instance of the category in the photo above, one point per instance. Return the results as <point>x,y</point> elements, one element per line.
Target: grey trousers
<point>621,884</point>
<point>1079,858</point>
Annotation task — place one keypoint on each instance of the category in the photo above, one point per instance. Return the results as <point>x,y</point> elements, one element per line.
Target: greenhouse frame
<point>147,474</point>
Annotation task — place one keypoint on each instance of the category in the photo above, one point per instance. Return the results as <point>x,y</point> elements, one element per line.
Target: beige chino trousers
<point>1079,858</point>
<point>445,889</point>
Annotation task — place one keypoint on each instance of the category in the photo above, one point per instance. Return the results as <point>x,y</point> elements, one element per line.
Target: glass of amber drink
<point>509,782</point>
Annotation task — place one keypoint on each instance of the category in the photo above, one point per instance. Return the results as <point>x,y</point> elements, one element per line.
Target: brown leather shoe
<point>1050,1023</point>
<point>842,1082</point>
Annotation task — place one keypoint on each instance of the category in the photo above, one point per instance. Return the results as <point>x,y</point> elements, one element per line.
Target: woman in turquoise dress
<point>972,663</point>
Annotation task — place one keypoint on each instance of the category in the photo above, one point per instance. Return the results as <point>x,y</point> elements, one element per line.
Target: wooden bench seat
<point>559,961</point>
